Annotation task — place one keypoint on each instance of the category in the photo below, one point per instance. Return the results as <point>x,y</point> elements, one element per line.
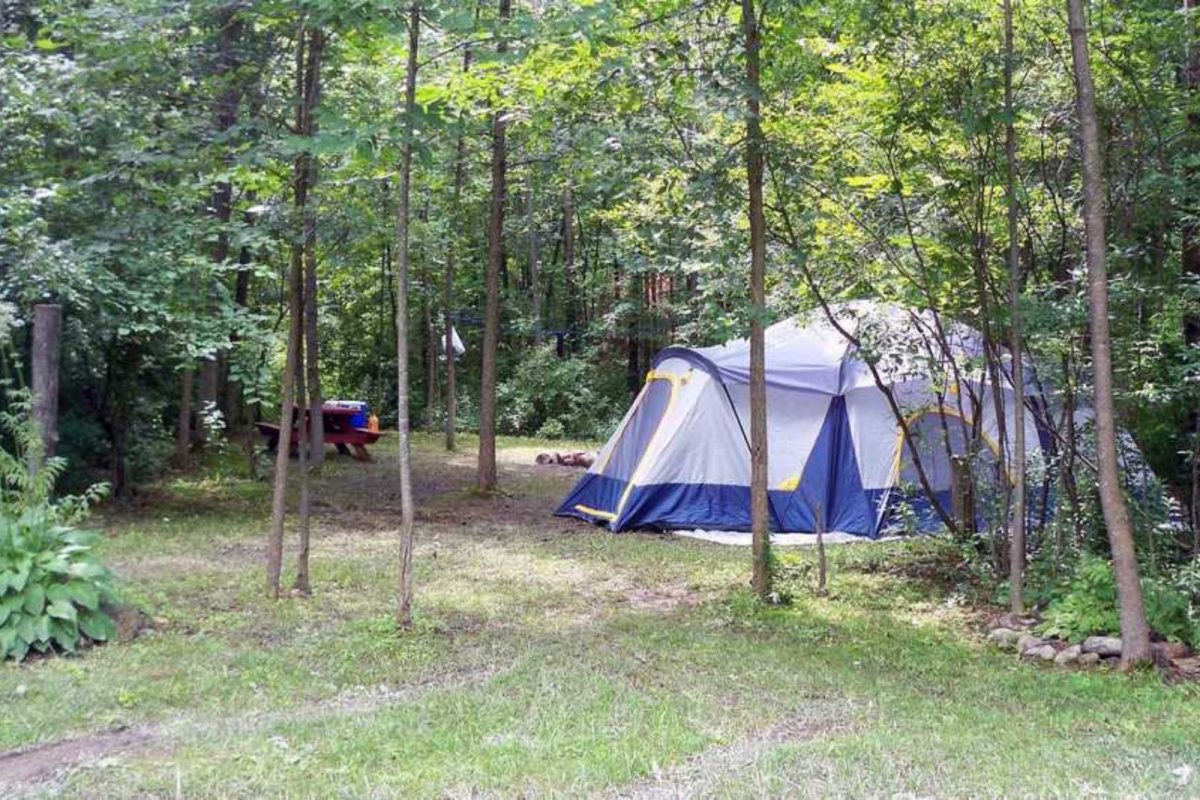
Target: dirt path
<point>705,772</point>
<point>40,763</point>
<point>28,768</point>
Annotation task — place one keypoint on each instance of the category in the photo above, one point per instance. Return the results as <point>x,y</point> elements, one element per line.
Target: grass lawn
<point>554,659</point>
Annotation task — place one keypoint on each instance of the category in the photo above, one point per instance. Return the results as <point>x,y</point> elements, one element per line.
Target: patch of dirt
<point>663,599</point>
<point>701,774</point>
<point>44,762</point>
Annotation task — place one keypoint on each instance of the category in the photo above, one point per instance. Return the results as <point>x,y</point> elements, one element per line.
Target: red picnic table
<point>340,431</point>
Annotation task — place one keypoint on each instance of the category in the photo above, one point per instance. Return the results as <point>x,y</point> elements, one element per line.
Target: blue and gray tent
<point>837,454</point>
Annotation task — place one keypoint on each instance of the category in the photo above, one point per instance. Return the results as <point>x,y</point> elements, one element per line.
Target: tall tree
<point>1191,239</point>
<point>759,510</point>
<point>44,359</point>
<point>486,477</point>
<point>460,147</point>
<point>293,362</point>
<point>305,413</point>
<point>312,97</point>
<point>403,217</point>
<point>1016,562</point>
<point>1135,631</point>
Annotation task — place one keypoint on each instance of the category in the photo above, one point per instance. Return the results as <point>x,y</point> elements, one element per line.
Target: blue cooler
<point>362,411</point>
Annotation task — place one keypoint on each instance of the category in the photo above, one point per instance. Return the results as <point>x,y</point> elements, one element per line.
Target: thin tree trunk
<point>183,427</point>
<point>45,350</point>
<point>429,347</point>
<point>571,295</point>
<point>759,520</point>
<point>316,49</point>
<point>535,279</point>
<point>451,421</point>
<point>404,587</point>
<point>1135,631</point>
<point>303,446</point>
<point>486,478</point>
<point>295,338</point>
<point>1016,558</point>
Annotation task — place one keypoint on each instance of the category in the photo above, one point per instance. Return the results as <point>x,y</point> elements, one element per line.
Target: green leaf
<point>35,599</point>
<point>87,570</point>
<point>84,594</point>
<point>65,634</point>
<point>97,625</point>
<point>9,606</point>
<point>41,628</point>
<point>19,649</point>
<point>62,609</point>
<point>25,628</point>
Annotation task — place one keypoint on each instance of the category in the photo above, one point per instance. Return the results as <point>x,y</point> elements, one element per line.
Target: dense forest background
<point>163,164</point>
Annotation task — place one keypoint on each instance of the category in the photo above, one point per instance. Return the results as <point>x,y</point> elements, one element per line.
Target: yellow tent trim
<point>595,512</point>
<point>676,381</point>
<point>898,451</point>
<point>790,484</point>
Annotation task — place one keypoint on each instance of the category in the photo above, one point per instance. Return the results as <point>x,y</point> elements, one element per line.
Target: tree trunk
<point>535,278</point>
<point>486,478</point>
<point>404,587</point>
<point>46,347</point>
<point>300,175</point>
<point>1016,558</point>
<point>303,446</point>
<point>429,348</point>
<point>312,98</point>
<point>1191,245</point>
<point>759,521</point>
<point>1135,631</point>
<point>571,295</point>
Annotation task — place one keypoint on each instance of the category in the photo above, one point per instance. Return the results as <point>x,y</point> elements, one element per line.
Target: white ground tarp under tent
<point>742,538</point>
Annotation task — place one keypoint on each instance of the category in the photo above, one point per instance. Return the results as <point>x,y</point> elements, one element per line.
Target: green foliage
<point>553,397</point>
<point>1088,606</point>
<point>52,588</point>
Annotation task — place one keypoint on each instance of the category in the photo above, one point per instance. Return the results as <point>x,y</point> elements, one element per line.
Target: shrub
<point>1088,606</point>
<point>51,586</point>
<point>557,397</point>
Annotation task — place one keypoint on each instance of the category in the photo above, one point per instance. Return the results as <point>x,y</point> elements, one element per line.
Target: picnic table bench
<point>340,431</point>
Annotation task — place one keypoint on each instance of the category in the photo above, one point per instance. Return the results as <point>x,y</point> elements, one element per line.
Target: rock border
<point>1015,634</point>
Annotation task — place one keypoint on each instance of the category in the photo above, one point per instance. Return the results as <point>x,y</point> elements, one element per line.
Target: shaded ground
<point>552,659</point>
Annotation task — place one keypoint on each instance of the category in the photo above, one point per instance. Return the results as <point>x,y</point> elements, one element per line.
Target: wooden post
<point>962,501</point>
<point>47,335</point>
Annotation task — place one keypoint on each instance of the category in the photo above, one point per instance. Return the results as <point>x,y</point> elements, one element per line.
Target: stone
<point>1104,646</point>
<point>1188,666</point>
<point>1004,638</point>
<point>1088,660</point>
<point>1068,655</point>
<point>1028,642</point>
<point>1044,652</point>
<point>1169,651</point>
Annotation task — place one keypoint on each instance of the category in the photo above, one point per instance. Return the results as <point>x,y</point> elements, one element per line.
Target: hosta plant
<point>52,588</point>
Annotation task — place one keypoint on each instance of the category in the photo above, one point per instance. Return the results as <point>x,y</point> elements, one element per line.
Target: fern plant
<point>53,590</point>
